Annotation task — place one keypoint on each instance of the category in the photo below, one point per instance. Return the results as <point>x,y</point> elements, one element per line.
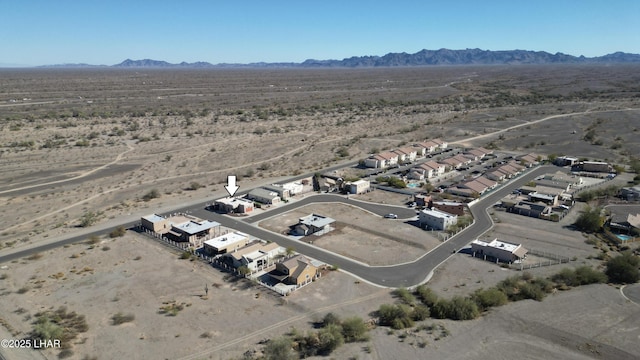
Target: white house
<point>436,219</point>
<point>358,187</point>
<point>499,250</point>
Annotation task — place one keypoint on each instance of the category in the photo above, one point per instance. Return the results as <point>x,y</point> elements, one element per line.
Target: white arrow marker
<point>231,185</point>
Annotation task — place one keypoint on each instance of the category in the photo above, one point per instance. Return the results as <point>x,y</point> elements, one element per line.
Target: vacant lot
<point>361,235</point>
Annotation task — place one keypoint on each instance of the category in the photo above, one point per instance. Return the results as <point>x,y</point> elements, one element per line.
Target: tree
<point>590,220</point>
<point>623,269</point>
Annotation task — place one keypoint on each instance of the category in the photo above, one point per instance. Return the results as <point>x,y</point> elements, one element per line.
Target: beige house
<point>254,256</point>
<point>297,270</point>
<point>226,243</point>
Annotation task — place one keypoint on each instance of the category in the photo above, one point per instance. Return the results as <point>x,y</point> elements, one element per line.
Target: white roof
<point>437,213</point>
<point>495,243</point>
<point>226,240</point>
<point>153,218</point>
<point>193,227</point>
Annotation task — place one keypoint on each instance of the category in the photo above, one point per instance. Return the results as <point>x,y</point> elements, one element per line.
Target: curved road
<point>400,275</point>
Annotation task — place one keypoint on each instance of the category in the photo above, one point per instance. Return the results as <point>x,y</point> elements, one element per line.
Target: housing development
<point>389,213</point>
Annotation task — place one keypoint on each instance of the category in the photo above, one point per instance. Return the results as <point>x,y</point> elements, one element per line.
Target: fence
<point>553,259</point>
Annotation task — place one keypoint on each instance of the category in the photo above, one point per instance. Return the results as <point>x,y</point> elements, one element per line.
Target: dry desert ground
<point>87,147</point>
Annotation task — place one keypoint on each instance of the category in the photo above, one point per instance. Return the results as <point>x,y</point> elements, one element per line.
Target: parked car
<point>391,216</point>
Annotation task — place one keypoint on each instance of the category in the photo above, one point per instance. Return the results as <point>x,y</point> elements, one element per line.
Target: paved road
<point>407,274</point>
<point>632,292</point>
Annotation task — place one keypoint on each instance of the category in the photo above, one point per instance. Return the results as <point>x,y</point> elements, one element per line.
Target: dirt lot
<point>360,235</point>
<point>136,275</point>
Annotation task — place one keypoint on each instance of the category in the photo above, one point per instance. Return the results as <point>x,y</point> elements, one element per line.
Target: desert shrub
<point>195,185</point>
<point>531,291</point>
<point>354,329</point>
<point>566,277</point>
<point>120,231</point>
<point>440,309</point>
<point>623,269</point>
<point>461,308</point>
<point>420,312</point>
<point>397,316</point>
<point>280,349</point>
<point>330,338</point>
<point>330,319</point>
<point>152,194</point>
<point>404,295</point>
<point>489,298</point>
<point>426,295</point>
<point>185,255</point>
<point>587,275</point>
<point>121,318</point>
<point>89,219</point>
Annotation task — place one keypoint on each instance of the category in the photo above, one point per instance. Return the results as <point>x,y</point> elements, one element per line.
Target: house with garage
<point>233,205</point>
<point>441,143</point>
<point>382,160</point>
<point>226,243</point>
<point>531,209</point>
<point>498,250</point>
<point>298,270</point>
<point>406,154</point>
<point>434,219</point>
<point>530,159</point>
<point>254,256</point>
<point>180,228</point>
<point>313,224</point>
<point>264,196</point>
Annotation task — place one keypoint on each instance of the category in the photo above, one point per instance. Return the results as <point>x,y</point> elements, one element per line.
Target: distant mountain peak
<point>423,57</point>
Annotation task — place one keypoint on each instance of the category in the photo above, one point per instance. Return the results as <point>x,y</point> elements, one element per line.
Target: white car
<point>391,216</point>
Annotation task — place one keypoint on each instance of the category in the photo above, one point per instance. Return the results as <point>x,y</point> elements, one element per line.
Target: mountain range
<point>421,58</point>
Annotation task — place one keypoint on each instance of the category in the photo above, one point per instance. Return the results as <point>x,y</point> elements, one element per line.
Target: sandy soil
<point>360,235</point>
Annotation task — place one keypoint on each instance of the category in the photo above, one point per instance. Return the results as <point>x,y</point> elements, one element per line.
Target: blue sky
<point>38,32</point>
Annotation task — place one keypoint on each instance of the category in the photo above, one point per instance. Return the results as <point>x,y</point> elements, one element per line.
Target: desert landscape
<point>90,149</point>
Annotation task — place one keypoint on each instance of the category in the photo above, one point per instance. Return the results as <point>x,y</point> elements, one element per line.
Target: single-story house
<point>298,270</point>
<point>499,250</point>
<point>531,209</point>
<point>313,224</point>
<point>480,184</point>
<point>233,205</point>
<point>549,199</point>
<point>436,219</point>
<point>495,175</point>
<point>565,161</point>
<point>358,187</point>
<point>225,243</point>
<point>264,196</point>
<point>529,160</point>
<point>625,221</point>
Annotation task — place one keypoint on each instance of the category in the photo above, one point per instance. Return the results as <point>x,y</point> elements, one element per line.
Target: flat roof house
<point>450,207</point>
<point>180,228</point>
<point>264,196</point>
<point>499,250</point>
<point>358,187</point>
<point>233,205</point>
<point>225,243</point>
<point>436,219</point>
